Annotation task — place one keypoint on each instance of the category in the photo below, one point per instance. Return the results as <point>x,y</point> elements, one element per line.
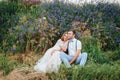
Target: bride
<point>51,61</point>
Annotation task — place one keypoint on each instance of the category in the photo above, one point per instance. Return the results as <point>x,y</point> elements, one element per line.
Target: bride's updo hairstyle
<point>62,38</point>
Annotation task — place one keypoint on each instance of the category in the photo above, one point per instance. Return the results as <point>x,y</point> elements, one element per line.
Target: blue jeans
<point>81,60</point>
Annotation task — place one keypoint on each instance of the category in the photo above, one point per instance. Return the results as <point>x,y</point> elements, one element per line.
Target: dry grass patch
<point>26,73</point>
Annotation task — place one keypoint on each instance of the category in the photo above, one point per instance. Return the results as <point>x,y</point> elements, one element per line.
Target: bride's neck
<point>65,41</point>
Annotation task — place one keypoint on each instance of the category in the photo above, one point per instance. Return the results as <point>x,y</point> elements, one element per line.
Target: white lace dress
<point>50,63</point>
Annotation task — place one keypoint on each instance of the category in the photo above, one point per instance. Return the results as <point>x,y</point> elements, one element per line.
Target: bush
<point>37,27</point>
<point>6,64</point>
<point>93,47</point>
<point>32,34</point>
<point>102,19</point>
<point>9,18</point>
<point>114,56</point>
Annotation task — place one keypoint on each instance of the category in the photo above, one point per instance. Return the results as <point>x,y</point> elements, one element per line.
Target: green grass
<point>91,71</point>
<point>6,64</point>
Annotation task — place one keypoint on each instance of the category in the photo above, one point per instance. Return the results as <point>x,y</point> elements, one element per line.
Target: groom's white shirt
<point>72,46</point>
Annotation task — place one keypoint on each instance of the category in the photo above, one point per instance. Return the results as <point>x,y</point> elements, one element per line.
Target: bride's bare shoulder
<point>59,40</point>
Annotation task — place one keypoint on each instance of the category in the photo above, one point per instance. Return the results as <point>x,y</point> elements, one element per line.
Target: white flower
<point>44,18</point>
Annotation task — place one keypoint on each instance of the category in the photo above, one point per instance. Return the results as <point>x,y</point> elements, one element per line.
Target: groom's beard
<point>71,38</point>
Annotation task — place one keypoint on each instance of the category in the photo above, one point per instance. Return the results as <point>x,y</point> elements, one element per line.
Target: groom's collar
<point>72,40</point>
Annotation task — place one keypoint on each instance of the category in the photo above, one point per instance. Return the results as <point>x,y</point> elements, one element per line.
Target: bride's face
<point>65,37</point>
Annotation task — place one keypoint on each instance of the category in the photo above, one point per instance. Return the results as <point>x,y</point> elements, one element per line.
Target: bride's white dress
<point>50,63</point>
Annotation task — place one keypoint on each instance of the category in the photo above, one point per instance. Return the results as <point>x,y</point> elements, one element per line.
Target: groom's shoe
<point>68,66</point>
<point>76,67</point>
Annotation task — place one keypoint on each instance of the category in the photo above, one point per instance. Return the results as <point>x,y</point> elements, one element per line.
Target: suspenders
<point>76,44</point>
<point>67,51</point>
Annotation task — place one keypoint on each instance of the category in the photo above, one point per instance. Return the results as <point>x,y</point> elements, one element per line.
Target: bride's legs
<point>54,62</point>
<point>50,61</point>
<point>46,56</point>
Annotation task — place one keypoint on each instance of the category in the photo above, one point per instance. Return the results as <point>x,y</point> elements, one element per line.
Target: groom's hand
<point>70,62</point>
<point>75,57</point>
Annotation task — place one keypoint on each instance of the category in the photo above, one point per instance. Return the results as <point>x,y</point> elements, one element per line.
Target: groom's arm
<point>75,57</point>
<point>79,47</point>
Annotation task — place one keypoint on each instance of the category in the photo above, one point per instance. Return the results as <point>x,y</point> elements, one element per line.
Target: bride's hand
<point>63,48</point>
<point>53,52</point>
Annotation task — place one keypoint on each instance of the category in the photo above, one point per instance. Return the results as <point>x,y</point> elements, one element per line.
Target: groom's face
<point>71,35</point>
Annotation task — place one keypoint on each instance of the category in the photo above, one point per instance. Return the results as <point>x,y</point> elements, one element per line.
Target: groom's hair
<point>74,32</point>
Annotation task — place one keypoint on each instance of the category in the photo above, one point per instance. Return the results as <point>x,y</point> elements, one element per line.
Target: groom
<point>74,51</point>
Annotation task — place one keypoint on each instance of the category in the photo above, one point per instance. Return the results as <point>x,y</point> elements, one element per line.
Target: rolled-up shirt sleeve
<point>79,45</point>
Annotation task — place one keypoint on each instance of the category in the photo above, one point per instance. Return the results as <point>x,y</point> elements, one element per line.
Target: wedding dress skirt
<point>50,63</point>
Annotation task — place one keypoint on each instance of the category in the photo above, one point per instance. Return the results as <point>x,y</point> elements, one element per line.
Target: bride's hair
<point>62,38</point>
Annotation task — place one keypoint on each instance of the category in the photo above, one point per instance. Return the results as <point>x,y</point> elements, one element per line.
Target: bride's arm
<point>57,44</point>
<point>55,51</point>
<point>64,48</point>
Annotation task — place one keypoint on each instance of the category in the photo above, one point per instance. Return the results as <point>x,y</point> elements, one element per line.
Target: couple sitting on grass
<point>66,50</point>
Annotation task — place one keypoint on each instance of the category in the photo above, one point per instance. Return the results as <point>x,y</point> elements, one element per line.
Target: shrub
<point>102,19</point>
<point>114,56</point>
<point>93,47</point>
<point>32,34</point>
<point>24,21</point>
<point>9,18</point>
<point>6,64</point>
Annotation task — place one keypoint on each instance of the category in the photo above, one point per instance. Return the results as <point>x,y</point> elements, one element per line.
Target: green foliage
<point>114,56</point>
<point>6,64</point>
<point>93,47</point>
<point>90,72</point>
<point>23,27</point>
<point>9,18</point>
<point>102,19</point>
<point>28,32</point>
